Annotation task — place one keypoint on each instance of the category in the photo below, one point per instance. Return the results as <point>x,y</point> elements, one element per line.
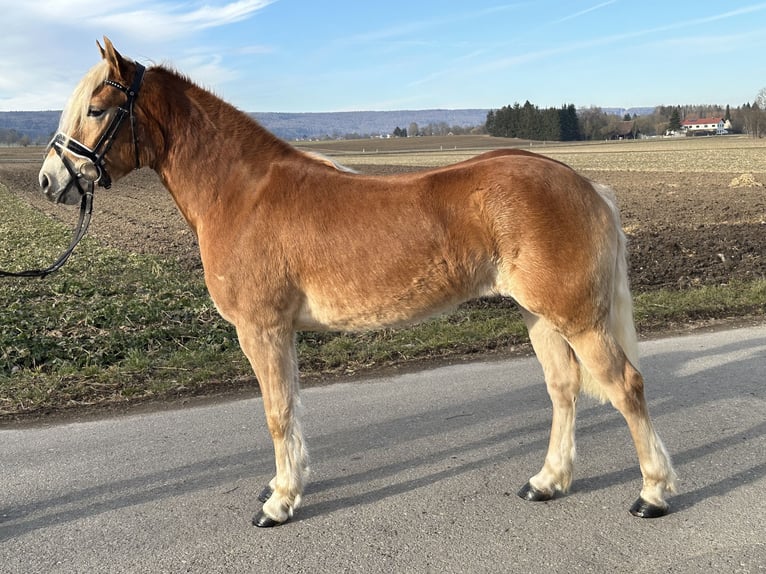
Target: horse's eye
<point>94,112</point>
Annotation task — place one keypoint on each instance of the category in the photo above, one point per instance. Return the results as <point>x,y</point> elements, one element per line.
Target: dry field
<point>704,154</point>
<point>694,209</point>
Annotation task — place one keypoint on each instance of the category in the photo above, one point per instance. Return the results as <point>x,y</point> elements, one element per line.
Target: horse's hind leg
<point>621,382</point>
<point>562,379</point>
<point>273,357</point>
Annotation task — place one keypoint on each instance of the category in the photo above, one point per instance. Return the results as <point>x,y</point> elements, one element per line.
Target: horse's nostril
<point>44,182</point>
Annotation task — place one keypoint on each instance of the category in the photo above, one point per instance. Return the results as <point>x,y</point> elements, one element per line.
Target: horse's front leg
<point>272,354</point>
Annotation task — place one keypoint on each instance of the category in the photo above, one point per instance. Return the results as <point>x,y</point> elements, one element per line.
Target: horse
<point>290,241</point>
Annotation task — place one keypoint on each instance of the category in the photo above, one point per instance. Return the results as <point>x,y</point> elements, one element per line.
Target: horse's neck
<point>201,144</point>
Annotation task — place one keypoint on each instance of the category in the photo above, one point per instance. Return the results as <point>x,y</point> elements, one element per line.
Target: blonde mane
<point>76,110</point>
<point>328,162</point>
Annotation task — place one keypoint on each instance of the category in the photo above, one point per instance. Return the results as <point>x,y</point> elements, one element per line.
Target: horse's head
<point>97,139</point>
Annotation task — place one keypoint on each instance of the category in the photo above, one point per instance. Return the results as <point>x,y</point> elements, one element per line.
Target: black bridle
<point>93,171</point>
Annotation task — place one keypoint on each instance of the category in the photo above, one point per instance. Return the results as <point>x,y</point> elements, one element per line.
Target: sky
<point>321,56</point>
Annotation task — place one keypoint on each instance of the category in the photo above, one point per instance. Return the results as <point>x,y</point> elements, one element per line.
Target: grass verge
<point>114,327</point>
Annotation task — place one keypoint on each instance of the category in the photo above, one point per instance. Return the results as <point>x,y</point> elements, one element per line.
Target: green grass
<point>654,310</point>
<point>109,326</point>
<point>114,327</point>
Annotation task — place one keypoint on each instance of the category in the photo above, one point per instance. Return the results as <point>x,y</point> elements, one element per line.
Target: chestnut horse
<point>290,241</point>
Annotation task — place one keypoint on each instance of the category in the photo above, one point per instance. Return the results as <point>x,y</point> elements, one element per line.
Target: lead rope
<point>86,208</point>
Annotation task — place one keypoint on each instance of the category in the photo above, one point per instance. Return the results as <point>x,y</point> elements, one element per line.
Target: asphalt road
<point>415,473</point>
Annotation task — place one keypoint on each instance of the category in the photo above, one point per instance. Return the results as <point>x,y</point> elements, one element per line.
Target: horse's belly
<point>350,312</point>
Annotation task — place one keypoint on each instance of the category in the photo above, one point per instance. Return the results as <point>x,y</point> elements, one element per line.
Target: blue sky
<point>312,55</point>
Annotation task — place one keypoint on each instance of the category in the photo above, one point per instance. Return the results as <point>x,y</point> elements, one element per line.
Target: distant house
<point>705,126</point>
<point>625,130</point>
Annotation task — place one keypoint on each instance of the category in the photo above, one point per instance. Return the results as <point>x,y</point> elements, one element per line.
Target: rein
<point>91,172</point>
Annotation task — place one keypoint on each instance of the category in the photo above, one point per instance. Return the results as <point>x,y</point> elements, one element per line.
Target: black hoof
<point>262,521</point>
<point>265,494</point>
<point>643,509</point>
<point>529,492</point>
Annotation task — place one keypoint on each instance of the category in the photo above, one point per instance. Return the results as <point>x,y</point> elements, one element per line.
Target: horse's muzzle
<point>58,184</point>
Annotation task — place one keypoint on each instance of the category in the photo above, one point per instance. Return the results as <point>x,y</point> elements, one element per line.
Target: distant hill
<point>39,126</point>
<point>295,126</point>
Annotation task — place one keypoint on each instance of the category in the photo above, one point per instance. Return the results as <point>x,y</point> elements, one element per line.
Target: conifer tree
<point>674,124</point>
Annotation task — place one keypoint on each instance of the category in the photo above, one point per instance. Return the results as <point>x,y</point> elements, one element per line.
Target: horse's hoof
<point>265,494</point>
<point>529,492</point>
<point>643,509</point>
<point>261,520</point>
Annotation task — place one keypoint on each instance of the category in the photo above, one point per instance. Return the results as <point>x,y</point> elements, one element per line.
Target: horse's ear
<point>115,60</point>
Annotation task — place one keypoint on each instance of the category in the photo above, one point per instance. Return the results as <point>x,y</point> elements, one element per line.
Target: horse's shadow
<point>695,390</point>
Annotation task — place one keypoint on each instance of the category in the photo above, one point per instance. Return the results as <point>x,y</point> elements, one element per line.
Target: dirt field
<point>695,212</point>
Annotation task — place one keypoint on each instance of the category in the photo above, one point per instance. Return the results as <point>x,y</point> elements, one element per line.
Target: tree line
<point>664,120</point>
<point>435,129</point>
<point>568,124</point>
<point>530,122</point>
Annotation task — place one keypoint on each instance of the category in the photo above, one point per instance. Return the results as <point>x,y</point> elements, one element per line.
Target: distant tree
<point>489,125</point>
<point>592,122</point>
<point>755,120</point>
<point>737,120</point>
<point>569,126</point>
<point>626,117</point>
<point>441,129</point>
<point>413,130</point>
<point>529,122</point>
<point>9,136</point>
<point>758,111</point>
<point>674,123</point>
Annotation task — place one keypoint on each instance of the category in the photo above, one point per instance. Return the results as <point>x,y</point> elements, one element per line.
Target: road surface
<point>415,473</point>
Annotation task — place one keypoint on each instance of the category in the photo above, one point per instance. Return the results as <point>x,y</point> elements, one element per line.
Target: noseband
<point>94,170</point>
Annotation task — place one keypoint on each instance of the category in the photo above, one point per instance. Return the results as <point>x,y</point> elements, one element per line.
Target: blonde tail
<point>621,322</point>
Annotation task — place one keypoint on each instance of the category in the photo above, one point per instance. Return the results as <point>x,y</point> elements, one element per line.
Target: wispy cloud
<point>537,55</point>
<point>142,18</point>
<point>584,12</point>
<point>135,25</point>
<point>208,70</point>
<point>212,16</point>
<point>709,44</point>
<point>730,14</point>
<point>410,27</point>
